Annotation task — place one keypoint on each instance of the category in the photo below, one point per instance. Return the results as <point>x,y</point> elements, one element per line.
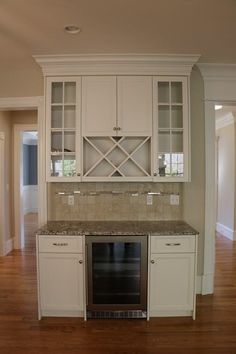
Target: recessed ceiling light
<point>72,29</point>
<point>218,106</point>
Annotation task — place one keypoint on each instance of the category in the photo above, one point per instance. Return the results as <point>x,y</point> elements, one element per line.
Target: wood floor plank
<point>213,332</point>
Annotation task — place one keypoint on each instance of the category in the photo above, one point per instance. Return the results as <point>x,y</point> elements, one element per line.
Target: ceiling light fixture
<point>217,107</point>
<point>72,29</point>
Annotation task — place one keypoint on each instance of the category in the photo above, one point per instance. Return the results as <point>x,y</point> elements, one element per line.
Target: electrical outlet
<point>149,199</point>
<point>174,199</point>
<point>71,200</point>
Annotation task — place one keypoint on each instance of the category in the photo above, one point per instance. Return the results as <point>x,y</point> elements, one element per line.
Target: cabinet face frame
<point>186,127</point>
<point>76,130</point>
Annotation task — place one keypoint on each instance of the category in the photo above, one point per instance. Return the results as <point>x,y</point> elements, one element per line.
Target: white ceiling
<point>206,27</point>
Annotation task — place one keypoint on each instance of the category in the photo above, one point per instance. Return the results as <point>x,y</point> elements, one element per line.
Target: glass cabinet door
<point>170,128</point>
<point>63,108</point>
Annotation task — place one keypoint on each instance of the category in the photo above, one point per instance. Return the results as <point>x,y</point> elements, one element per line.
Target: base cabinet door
<point>61,284</point>
<point>172,284</point>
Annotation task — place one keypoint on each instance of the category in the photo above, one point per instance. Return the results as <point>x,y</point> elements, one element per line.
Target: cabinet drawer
<point>60,244</point>
<point>172,244</point>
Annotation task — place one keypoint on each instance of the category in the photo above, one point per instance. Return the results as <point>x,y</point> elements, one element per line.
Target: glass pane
<point>57,90</point>
<point>70,92</point>
<point>69,142</point>
<point>176,92</point>
<point>116,272</point>
<point>69,166</point>
<point>163,92</point>
<point>69,116</point>
<point>177,165</point>
<point>164,165</point>
<point>177,117</point>
<point>56,166</point>
<point>164,141</point>
<point>177,141</point>
<point>164,116</point>
<point>56,142</point>
<point>56,116</point>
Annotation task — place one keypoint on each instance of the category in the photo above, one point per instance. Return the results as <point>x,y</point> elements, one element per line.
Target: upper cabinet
<point>170,128</point>
<point>98,105</point>
<point>63,106</point>
<point>134,105</point>
<point>117,106</point>
<point>118,117</point>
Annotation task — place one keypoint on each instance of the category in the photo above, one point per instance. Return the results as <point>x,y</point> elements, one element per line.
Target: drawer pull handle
<point>152,261</point>
<point>173,244</point>
<point>60,244</point>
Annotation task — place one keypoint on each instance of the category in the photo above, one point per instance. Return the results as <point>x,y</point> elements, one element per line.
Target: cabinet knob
<point>78,174</point>
<point>80,262</point>
<point>119,128</point>
<point>152,261</point>
<point>155,174</point>
<point>114,128</point>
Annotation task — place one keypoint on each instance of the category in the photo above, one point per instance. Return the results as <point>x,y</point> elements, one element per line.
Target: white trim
<point>224,121</point>
<point>19,103</point>
<point>219,87</point>
<point>207,283</point>
<point>8,247</point>
<point>2,194</point>
<point>226,231</point>
<point>199,284</point>
<point>107,64</point>
<point>18,130</point>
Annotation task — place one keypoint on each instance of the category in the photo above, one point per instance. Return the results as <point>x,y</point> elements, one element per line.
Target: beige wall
<point>7,121</point>
<point>21,83</point>
<point>226,176</point>
<point>194,191</point>
<point>108,207</point>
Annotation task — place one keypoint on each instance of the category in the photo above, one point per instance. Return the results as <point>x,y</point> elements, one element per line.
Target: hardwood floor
<point>213,332</point>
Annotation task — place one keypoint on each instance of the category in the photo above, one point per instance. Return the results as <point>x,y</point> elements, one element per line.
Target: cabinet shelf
<point>117,156</point>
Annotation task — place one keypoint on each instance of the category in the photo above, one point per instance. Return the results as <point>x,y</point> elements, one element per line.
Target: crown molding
<point>224,121</point>
<point>11,103</point>
<point>110,64</point>
<point>214,71</point>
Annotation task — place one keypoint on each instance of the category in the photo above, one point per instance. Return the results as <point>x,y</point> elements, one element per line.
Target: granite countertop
<point>119,228</point>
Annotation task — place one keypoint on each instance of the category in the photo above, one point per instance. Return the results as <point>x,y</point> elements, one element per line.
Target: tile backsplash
<point>114,207</point>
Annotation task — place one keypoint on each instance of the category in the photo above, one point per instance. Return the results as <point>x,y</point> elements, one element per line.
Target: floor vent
<point>116,314</point>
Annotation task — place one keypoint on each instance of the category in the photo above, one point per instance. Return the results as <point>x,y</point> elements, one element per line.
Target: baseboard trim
<point>207,284</point>
<point>8,246</point>
<point>226,231</point>
<point>199,284</point>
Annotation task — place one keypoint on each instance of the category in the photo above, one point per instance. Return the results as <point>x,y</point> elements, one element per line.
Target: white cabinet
<point>173,276</point>
<point>60,276</point>
<point>117,106</point>
<point>98,105</point>
<point>171,129</point>
<point>117,128</point>
<point>63,105</point>
<point>134,97</point>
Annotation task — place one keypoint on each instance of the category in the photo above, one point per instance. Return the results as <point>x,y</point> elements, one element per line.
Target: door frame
<point>18,131</point>
<point>219,88</point>
<point>28,103</point>
<point>2,194</point>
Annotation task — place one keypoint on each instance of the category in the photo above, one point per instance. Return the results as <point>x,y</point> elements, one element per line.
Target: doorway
<point>29,185</point>
<point>225,170</point>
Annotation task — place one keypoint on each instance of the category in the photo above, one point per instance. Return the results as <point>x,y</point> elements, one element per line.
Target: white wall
<point>226,180</point>
<point>194,191</point>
